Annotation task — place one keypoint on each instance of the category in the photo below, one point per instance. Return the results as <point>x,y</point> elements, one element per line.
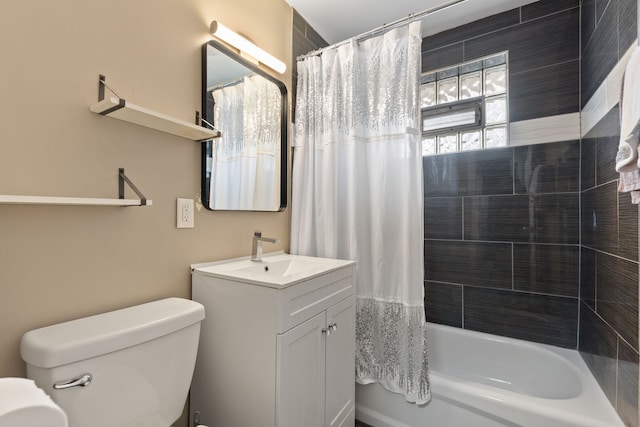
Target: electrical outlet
<point>184,213</point>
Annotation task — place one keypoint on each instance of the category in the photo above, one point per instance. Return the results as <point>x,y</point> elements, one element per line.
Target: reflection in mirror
<point>244,169</point>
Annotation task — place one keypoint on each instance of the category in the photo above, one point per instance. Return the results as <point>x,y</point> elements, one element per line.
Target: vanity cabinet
<point>316,365</point>
<point>279,355</point>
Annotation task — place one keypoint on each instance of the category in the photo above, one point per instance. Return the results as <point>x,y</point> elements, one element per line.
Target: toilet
<point>126,368</point>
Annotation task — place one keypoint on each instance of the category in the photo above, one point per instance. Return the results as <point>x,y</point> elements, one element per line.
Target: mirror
<point>246,168</point>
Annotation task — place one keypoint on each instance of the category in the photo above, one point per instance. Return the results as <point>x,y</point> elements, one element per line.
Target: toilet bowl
<point>23,404</point>
<point>125,368</point>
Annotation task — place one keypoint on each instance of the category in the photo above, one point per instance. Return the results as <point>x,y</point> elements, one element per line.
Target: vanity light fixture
<point>244,45</point>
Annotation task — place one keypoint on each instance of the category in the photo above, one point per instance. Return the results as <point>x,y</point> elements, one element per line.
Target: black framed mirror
<point>246,168</point>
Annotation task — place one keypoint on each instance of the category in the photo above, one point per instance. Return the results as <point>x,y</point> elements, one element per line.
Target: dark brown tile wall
<point>551,90</point>
<point>502,226</point>
<point>627,396</point>
<point>608,29</point>
<point>567,274</point>
<point>502,236</point>
<point>617,295</point>
<point>608,339</point>
<point>598,346</point>
<point>547,168</point>
<point>553,39</point>
<point>443,301</point>
<point>535,218</point>
<point>459,174</point>
<point>547,318</point>
<point>472,263</point>
<point>443,227</point>
<point>547,269</point>
<point>600,217</point>
<point>544,54</point>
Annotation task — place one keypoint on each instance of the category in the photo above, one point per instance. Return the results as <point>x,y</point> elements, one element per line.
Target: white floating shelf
<point>77,201</point>
<point>123,110</point>
<point>82,201</point>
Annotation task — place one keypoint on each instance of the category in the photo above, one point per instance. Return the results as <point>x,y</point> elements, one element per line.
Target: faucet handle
<point>257,234</point>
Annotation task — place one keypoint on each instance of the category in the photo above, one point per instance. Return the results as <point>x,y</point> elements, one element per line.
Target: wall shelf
<point>119,108</point>
<point>77,201</point>
<point>82,201</point>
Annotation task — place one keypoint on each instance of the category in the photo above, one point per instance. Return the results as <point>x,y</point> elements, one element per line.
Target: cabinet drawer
<point>304,300</point>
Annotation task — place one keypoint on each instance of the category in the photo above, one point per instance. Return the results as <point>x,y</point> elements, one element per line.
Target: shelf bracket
<point>102,84</point>
<point>200,121</point>
<point>117,108</point>
<point>122,179</point>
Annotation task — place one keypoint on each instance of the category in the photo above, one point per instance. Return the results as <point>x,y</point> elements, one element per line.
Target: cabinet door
<point>300,375</point>
<point>341,365</point>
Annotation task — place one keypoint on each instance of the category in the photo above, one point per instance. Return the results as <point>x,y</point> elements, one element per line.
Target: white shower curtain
<point>357,194</point>
<point>244,159</point>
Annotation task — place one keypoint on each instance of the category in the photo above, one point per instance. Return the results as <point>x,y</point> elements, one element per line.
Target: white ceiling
<point>338,20</point>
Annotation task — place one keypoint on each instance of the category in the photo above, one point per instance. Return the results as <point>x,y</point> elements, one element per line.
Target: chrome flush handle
<point>81,381</point>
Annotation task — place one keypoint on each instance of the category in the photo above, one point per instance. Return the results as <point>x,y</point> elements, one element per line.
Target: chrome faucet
<point>256,248</point>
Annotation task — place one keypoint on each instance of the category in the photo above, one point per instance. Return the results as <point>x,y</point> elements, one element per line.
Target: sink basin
<point>277,271</point>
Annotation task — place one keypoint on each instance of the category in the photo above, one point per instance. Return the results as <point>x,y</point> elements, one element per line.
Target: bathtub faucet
<point>256,248</point>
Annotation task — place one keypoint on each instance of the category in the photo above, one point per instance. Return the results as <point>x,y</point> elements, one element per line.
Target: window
<point>465,107</point>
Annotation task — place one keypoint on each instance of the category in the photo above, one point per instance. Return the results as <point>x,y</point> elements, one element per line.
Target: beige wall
<point>62,262</point>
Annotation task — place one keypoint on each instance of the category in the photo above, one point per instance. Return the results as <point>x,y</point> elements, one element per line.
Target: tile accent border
<point>606,97</point>
<point>563,127</point>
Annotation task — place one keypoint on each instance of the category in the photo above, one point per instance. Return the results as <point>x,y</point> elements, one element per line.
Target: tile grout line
<point>462,306</point>
<point>493,288</point>
<point>617,371</point>
<point>504,242</point>
<point>462,217</point>
<point>505,27</point>
<point>579,236</point>
<point>513,256</point>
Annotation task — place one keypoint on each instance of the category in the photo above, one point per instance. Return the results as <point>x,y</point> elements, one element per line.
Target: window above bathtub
<point>465,107</point>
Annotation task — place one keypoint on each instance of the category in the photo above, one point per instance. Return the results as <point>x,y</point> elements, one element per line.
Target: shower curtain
<point>244,159</point>
<point>357,194</point>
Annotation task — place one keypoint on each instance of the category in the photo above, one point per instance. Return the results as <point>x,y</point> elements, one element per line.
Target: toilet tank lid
<point>92,336</point>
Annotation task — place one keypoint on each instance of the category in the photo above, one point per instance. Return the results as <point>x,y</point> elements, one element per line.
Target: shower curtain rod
<point>371,33</point>
<point>229,83</point>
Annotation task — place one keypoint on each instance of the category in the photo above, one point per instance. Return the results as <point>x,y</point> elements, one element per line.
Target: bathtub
<point>482,380</point>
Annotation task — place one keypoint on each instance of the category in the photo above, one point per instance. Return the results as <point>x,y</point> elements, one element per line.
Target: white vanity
<point>277,346</point>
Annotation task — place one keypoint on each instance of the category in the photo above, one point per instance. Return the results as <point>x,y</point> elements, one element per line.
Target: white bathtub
<point>482,380</point>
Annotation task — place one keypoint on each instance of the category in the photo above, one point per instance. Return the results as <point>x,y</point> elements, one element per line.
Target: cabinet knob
<point>330,328</point>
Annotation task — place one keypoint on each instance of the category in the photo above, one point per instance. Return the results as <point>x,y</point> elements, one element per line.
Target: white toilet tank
<point>136,364</point>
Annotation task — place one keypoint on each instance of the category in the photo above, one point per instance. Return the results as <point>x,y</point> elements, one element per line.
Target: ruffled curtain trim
<point>392,348</point>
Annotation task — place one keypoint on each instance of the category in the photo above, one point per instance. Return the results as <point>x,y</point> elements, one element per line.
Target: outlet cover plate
<point>184,213</point>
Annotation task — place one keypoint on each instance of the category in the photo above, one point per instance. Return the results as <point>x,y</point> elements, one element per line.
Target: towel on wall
<point>627,159</point>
